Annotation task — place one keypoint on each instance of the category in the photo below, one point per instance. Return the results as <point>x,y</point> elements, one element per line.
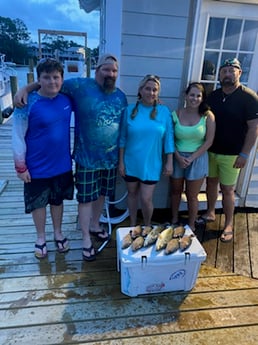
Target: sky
<point>54,15</point>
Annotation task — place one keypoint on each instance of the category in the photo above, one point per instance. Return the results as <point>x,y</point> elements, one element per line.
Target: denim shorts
<point>43,191</point>
<point>91,184</point>
<point>197,170</point>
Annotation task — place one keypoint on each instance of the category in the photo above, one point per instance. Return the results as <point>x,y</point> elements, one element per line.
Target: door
<point>225,30</point>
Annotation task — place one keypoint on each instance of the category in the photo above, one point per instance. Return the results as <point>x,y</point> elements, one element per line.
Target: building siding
<point>154,36</point>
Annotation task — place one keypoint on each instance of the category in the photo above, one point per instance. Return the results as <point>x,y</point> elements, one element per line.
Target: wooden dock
<point>64,300</point>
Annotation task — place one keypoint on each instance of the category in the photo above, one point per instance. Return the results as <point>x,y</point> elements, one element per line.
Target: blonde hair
<point>143,82</point>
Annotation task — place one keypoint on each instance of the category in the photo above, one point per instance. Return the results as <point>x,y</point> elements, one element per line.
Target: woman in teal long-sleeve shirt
<point>146,133</point>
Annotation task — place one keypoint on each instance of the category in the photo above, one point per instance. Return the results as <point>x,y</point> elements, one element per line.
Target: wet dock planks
<point>63,300</point>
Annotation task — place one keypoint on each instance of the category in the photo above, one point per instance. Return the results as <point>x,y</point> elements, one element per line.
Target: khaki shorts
<point>221,166</point>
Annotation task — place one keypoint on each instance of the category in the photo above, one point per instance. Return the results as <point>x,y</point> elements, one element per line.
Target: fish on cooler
<point>163,238</point>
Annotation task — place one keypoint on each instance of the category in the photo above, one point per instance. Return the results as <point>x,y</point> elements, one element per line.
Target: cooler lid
<point>149,254</point>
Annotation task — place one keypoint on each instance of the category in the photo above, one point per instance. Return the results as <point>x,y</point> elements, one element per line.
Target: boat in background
<point>6,103</point>
<point>73,58</point>
<point>74,69</point>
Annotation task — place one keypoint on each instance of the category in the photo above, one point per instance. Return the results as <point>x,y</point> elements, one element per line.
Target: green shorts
<point>221,166</point>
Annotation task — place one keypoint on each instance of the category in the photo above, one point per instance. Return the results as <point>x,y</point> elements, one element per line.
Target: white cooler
<point>148,271</point>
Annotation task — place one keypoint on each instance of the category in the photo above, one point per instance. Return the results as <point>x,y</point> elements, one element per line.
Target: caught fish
<point>137,243</point>
<point>136,231</point>
<point>127,241</point>
<point>185,242</point>
<point>163,238</point>
<point>179,231</point>
<point>172,246</point>
<point>146,230</point>
<point>152,236</point>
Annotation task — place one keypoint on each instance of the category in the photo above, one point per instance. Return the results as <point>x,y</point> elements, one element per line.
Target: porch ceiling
<point>89,5</point>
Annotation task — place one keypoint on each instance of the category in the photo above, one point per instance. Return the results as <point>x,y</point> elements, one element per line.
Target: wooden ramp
<point>64,300</point>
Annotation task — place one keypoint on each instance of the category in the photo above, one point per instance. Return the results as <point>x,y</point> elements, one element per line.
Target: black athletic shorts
<point>43,191</point>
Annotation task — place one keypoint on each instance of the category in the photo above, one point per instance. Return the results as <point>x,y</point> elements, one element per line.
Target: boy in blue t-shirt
<point>98,106</point>
<point>42,155</point>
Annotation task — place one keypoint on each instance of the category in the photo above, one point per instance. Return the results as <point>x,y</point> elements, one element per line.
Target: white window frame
<point>209,8</point>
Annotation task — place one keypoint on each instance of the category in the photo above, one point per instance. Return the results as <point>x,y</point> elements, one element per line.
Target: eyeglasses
<point>47,59</point>
<point>152,76</point>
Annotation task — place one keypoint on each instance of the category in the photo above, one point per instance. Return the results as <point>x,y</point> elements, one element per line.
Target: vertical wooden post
<point>88,61</point>
<point>31,65</point>
<point>30,74</point>
<point>14,85</point>
<point>30,77</point>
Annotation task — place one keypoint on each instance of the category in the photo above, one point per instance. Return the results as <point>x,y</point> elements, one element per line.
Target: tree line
<point>15,39</point>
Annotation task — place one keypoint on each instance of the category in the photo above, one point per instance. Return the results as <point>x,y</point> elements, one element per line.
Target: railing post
<point>30,77</point>
<point>14,85</point>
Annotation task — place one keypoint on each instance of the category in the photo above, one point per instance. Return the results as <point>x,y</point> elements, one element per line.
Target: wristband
<point>20,170</point>
<point>244,155</point>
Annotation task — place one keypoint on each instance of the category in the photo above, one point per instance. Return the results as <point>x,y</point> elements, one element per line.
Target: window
<point>228,38</point>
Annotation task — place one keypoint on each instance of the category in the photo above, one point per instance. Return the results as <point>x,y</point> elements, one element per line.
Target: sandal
<point>204,219</point>
<point>62,246</point>
<point>226,234</point>
<point>98,233</point>
<point>91,257</point>
<point>40,255</point>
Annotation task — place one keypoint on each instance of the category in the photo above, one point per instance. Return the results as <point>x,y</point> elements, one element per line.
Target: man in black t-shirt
<point>236,114</point>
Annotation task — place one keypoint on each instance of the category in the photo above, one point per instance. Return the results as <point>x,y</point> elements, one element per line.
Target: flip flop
<point>91,257</point>
<point>203,219</point>
<point>226,234</point>
<point>41,247</point>
<point>62,246</point>
<point>98,233</point>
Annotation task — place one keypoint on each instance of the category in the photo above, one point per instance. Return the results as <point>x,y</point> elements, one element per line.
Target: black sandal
<point>64,248</point>
<point>204,220</point>
<point>41,247</point>
<point>98,233</point>
<point>227,234</point>
<point>91,257</point>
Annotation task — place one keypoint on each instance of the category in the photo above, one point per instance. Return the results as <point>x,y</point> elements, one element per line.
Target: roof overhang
<point>89,5</point>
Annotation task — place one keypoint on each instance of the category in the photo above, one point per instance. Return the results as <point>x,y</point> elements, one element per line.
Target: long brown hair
<point>203,107</point>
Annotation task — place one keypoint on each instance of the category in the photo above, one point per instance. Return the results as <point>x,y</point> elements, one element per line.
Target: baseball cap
<point>231,62</point>
<point>107,59</point>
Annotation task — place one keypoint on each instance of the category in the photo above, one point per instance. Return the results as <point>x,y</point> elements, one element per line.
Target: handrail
<point>112,220</point>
